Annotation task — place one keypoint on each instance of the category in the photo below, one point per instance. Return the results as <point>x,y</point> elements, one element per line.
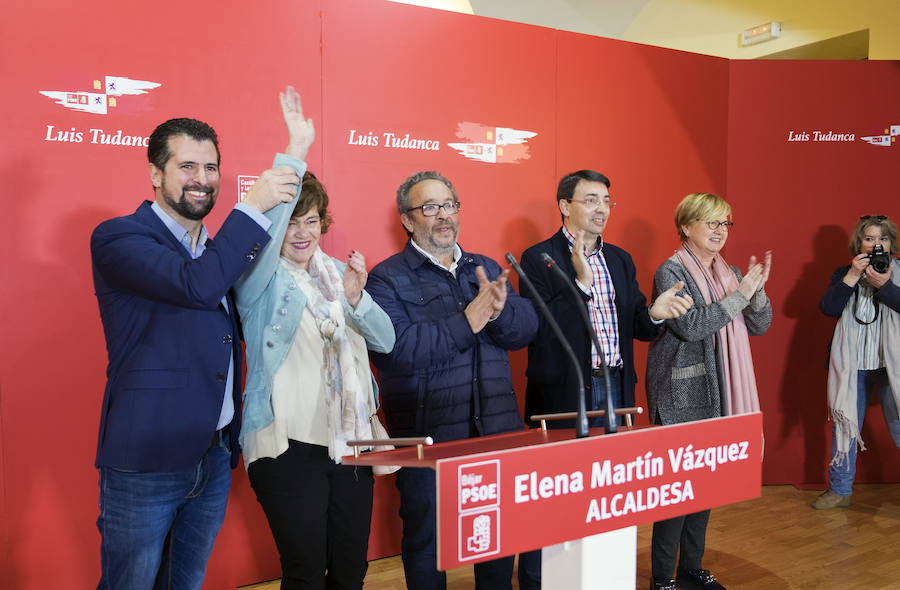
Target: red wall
<point>802,199</point>
<point>660,123</point>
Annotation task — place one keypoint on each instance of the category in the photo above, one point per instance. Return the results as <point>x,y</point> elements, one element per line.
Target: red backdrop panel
<point>436,76</point>
<point>222,66</point>
<point>540,102</point>
<point>652,120</point>
<point>802,199</point>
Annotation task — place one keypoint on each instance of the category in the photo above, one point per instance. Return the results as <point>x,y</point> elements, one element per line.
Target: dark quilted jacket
<point>442,380</point>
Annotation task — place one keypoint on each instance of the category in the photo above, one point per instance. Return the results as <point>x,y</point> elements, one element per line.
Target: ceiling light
<point>760,33</point>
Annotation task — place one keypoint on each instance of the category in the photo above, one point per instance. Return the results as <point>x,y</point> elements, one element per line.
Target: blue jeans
<point>158,529</point>
<point>419,547</point>
<point>841,476</point>
<point>598,397</point>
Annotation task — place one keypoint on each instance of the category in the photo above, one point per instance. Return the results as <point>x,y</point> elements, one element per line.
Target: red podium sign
<point>503,494</point>
<point>503,502</point>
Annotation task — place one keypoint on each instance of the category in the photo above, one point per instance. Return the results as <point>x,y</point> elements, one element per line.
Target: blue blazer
<point>168,338</point>
<point>552,386</point>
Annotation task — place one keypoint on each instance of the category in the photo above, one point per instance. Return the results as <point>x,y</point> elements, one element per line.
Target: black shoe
<point>699,579</point>
<point>663,585</point>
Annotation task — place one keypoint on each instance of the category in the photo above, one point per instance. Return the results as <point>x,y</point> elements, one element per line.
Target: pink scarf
<point>737,364</point>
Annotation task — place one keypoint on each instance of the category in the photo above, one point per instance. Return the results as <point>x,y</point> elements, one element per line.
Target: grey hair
<point>406,186</point>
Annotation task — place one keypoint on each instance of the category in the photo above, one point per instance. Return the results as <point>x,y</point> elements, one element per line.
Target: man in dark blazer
<point>170,416</point>
<point>606,281</point>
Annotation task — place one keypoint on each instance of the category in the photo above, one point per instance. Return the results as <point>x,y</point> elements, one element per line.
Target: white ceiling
<point>606,18</point>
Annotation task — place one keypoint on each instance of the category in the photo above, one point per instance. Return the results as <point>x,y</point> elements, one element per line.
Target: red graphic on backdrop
<point>885,140</point>
<point>245,183</point>
<point>103,96</point>
<point>495,145</point>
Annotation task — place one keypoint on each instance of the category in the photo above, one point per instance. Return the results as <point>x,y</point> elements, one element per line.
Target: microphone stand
<point>581,421</point>
<point>609,421</point>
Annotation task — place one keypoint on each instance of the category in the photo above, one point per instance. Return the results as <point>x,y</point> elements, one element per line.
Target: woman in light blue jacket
<point>308,324</point>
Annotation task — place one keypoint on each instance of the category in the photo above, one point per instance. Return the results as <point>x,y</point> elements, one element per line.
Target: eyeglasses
<point>594,202</point>
<point>431,209</point>
<point>875,217</point>
<point>715,224</point>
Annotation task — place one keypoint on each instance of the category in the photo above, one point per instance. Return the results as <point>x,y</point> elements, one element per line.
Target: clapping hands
<point>489,302</point>
<point>757,275</point>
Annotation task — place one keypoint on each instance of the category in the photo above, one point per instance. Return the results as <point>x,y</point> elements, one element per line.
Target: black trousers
<point>319,513</point>
<point>688,532</point>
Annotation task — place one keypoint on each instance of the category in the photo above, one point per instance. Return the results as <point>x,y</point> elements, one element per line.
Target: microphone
<point>609,421</point>
<point>581,421</point>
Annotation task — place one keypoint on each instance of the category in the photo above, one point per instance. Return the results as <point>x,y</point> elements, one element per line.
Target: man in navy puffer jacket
<point>448,376</point>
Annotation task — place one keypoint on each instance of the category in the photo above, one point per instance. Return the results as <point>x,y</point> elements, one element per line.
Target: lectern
<point>580,498</point>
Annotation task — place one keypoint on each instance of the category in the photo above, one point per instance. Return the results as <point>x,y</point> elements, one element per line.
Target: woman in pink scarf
<point>700,366</point>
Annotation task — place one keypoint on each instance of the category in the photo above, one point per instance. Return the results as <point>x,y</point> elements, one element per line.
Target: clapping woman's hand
<point>766,267</point>
<point>752,281</point>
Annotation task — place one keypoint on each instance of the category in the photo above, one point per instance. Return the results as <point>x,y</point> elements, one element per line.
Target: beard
<point>432,242</point>
<point>188,209</point>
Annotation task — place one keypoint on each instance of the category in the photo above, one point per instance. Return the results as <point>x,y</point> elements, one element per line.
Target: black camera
<point>879,260</point>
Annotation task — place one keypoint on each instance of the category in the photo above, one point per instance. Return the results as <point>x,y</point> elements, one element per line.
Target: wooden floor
<point>774,542</point>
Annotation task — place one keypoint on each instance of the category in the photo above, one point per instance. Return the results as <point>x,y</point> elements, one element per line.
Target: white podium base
<point>607,561</point>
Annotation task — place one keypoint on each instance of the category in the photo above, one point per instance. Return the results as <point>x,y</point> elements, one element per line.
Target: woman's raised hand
<point>301,132</point>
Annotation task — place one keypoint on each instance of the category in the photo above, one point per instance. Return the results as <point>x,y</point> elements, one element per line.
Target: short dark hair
<point>567,183</point>
<point>313,195</point>
<point>888,228</point>
<point>158,152</point>
<point>406,186</point>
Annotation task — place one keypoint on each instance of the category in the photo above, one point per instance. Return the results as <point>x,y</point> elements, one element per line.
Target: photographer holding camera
<point>865,350</point>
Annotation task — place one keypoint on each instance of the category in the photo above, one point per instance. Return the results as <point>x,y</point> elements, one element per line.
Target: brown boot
<point>829,500</point>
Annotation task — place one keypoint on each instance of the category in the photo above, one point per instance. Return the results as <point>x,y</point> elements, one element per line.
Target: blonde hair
<point>888,228</point>
<point>699,207</point>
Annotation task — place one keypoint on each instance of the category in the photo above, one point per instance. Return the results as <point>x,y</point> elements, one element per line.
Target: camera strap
<point>866,305</point>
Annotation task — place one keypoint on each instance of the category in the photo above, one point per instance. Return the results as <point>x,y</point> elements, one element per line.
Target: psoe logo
<point>105,94</point>
<point>479,534</point>
<point>479,485</point>
<point>885,140</point>
<point>496,145</point>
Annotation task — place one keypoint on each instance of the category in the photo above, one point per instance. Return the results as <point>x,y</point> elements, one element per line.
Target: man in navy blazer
<point>606,281</point>
<point>170,416</point>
